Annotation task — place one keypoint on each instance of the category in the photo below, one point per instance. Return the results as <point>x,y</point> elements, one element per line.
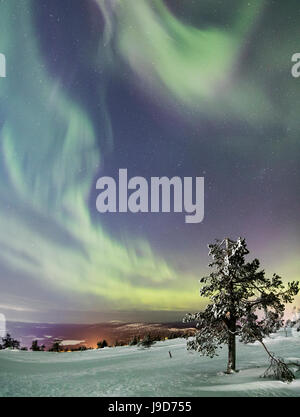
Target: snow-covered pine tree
<point>147,341</point>
<point>9,342</point>
<point>237,290</point>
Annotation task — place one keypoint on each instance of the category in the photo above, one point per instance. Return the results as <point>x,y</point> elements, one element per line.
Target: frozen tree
<point>9,342</point>
<point>243,302</point>
<point>56,346</point>
<point>147,341</point>
<point>36,348</point>
<point>102,344</point>
<point>134,341</point>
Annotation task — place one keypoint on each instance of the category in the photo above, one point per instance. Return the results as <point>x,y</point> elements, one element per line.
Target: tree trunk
<point>231,324</point>
<point>231,366</point>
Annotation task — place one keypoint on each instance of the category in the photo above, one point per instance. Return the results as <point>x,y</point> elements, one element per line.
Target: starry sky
<point>162,88</point>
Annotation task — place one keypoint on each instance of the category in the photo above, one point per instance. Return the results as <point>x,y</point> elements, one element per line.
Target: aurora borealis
<point>160,87</point>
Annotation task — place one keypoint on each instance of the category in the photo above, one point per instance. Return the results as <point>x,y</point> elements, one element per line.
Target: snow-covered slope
<point>131,371</point>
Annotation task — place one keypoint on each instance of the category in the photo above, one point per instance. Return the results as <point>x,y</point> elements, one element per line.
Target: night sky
<point>162,88</point>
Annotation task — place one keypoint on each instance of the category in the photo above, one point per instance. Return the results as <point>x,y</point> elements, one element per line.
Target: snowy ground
<point>131,371</point>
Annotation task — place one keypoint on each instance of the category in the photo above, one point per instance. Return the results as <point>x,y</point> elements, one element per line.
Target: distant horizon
<point>128,317</point>
<point>131,317</point>
<point>90,333</point>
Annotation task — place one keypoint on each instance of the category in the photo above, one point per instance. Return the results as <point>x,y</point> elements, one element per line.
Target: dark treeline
<point>141,340</point>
